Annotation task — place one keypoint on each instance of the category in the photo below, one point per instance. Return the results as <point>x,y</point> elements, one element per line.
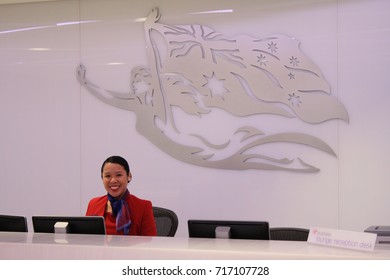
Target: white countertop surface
<point>90,247</point>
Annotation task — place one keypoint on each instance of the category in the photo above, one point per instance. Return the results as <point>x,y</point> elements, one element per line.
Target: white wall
<point>55,134</point>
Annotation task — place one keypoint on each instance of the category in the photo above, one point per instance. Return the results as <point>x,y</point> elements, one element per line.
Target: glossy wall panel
<point>39,109</point>
<point>57,133</point>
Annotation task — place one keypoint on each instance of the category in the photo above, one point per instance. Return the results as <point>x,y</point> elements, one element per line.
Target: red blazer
<point>141,214</point>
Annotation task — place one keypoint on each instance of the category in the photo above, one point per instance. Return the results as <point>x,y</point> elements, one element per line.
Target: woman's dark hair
<point>118,160</point>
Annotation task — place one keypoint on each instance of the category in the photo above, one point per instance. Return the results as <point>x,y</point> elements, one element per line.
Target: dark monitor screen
<point>238,229</point>
<point>76,224</point>
<point>13,223</point>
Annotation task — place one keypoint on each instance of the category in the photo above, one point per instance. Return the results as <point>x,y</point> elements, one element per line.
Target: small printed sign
<point>343,239</point>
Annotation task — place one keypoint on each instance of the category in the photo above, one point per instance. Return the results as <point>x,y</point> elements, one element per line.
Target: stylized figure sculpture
<point>194,71</point>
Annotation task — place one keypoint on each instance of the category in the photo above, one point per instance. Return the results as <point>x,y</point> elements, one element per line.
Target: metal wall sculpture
<point>193,71</point>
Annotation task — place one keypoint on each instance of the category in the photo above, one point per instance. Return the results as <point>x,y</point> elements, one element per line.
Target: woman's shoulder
<point>97,206</point>
<point>98,199</point>
<point>136,200</point>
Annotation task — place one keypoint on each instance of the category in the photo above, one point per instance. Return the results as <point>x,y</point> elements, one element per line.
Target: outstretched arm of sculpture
<point>126,101</point>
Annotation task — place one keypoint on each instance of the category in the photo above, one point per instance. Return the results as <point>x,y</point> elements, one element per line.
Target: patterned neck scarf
<point>121,211</point>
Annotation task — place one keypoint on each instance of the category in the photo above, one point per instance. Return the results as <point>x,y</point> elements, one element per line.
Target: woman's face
<point>115,179</point>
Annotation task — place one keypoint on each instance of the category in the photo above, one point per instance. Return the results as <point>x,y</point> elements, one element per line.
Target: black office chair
<point>13,223</point>
<point>288,233</point>
<point>166,221</point>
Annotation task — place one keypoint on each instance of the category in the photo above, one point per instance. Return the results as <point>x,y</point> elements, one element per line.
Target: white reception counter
<point>43,246</point>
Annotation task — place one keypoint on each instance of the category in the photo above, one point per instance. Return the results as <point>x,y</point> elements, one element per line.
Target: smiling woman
<point>124,213</point>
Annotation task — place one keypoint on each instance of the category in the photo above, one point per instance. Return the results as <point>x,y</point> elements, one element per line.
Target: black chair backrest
<point>166,221</point>
<point>13,223</point>
<point>288,233</point>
